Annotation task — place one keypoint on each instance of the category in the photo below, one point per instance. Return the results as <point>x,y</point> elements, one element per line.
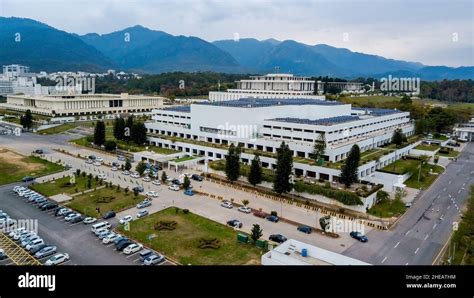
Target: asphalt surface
<point>426,226</point>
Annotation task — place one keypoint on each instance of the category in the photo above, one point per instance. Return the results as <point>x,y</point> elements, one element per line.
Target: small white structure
<point>294,252</point>
<point>465,132</point>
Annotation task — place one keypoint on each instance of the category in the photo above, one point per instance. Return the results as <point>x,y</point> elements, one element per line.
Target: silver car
<point>47,251</point>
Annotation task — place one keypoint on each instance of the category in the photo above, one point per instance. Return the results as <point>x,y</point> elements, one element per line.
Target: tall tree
<point>319,147</point>
<point>26,120</point>
<point>255,174</point>
<point>140,168</point>
<point>186,182</point>
<point>284,168</point>
<point>128,165</point>
<point>350,168</point>
<point>256,232</point>
<point>397,137</point>
<point>127,135</point>
<point>99,133</point>
<point>119,128</point>
<point>232,163</point>
<point>139,133</point>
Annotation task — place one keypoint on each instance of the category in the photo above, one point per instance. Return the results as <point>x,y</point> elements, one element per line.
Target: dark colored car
<point>359,236</point>
<point>138,189</point>
<point>118,240</point>
<point>38,248</point>
<point>39,151</point>
<point>278,238</point>
<point>305,229</point>
<point>2,254</point>
<point>122,244</point>
<point>234,223</point>
<point>176,182</point>
<point>145,254</point>
<point>49,206</point>
<point>67,213</point>
<point>28,179</point>
<point>196,177</point>
<point>273,218</point>
<point>42,204</point>
<point>260,214</point>
<point>77,219</point>
<point>109,214</point>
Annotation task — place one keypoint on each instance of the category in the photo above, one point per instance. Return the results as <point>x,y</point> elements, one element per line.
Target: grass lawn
<point>106,199</point>
<point>388,208</point>
<point>57,129</point>
<point>184,158</point>
<point>219,165</point>
<point>13,166</point>
<point>452,153</point>
<point>426,179</point>
<point>427,147</point>
<point>63,185</point>
<point>182,242</point>
<point>401,166</point>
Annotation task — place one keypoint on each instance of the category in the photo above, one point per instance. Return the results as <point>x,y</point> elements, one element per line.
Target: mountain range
<point>142,50</point>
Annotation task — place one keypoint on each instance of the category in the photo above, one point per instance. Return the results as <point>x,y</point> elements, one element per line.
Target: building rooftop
<point>378,112</point>
<point>259,103</point>
<point>183,109</point>
<point>323,121</point>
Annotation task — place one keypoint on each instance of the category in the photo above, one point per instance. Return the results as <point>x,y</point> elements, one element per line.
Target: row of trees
<point>129,130</point>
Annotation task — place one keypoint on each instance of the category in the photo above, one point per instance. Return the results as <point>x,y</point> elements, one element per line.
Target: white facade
<point>291,252</point>
<point>269,86</point>
<point>82,104</point>
<point>465,132</point>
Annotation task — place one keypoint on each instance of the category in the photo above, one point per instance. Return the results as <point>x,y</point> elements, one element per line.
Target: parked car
<point>104,234</point>
<point>156,182</point>
<point>234,223</point>
<point>144,254</point>
<point>126,219</point>
<point>245,209</point>
<point>138,189</point>
<point>142,213</point>
<point>305,229</point>
<point>143,204</point>
<point>109,214</point>
<point>49,206</point>
<point>77,219</point>
<point>122,244</point>
<point>60,211</point>
<point>151,194</point>
<point>114,169</point>
<point>278,238</point>
<point>97,164</point>
<point>134,175</point>
<point>273,218</point>
<point>2,254</point>
<point>99,159</point>
<point>89,220</point>
<point>176,182</point>
<point>34,243</point>
<point>46,251</point>
<point>37,248</point>
<point>71,216</point>
<point>28,179</point>
<point>196,177</point>
<point>260,214</point>
<point>359,236</point>
<point>227,204</point>
<point>153,259</point>
<point>57,259</point>
<point>110,238</point>
<point>189,192</point>
<point>125,173</point>
<point>173,187</point>
<point>132,248</point>
<point>146,179</point>
<point>102,176</point>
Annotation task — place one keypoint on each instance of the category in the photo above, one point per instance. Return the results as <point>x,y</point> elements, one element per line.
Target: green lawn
<point>63,185</point>
<point>184,158</point>
<point>219,165</point>
<point>13,167</point>
<point>388,208</point>
<point>426,147</point>
<point>426,179</point>
<point>57,129</point>
<point>452,153</point>
<point>182,242</point>
<point>401,166</point>
<point>106,199</point>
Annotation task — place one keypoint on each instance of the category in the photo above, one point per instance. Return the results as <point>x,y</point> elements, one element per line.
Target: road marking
<point>450,181</point>
<point>396,245</point>
<point>408,232</point>
<point>384,260</point>
<point>426,237</point>
<point>406,264</point>
<point>460,191</point>
<point>416,251</point>
<point>448,207</point>
<point>444,189</point>
<point>136,260</point>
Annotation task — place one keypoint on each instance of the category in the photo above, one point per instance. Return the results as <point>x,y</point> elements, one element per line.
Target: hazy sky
<point>433,32</point>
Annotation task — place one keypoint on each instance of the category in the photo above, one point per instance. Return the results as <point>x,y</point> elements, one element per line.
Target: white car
<point>99,159</point>
<point>102,230</point>
<point>135,175</point>
<point>125,173</point>
<point>153,259</point>
<point>126,219</point>
<point>173,187</point>
<point>97,164</point>
<point>110,238</point>
<point>245,209</point>
<point>132,248</point>
<point>227,204</point>
<point>114,169</point>
<point>146,179</point>
<point>152,194</point>
<point>57,259</point>
<point>71,216</point>
<point>89,161</point>
<point>89,220</point>
<point>142,213</point>
<point>156,182</point>
<point>102,176</point>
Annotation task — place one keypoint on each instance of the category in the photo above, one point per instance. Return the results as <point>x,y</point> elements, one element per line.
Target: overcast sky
<point>433,32</point>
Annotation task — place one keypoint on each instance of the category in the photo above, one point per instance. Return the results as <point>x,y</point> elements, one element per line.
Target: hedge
<point>345,197</point>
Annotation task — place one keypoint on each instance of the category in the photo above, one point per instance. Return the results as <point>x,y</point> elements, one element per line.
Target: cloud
<point>414,30</point>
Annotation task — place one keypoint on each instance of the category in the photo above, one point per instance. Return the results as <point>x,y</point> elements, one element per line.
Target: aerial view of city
<point>236,148</point>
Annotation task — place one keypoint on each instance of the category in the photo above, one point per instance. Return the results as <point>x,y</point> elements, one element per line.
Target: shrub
<point>274,213</point>
<point>345,197</point>
<point>185,211</point>
<point>327,185</point>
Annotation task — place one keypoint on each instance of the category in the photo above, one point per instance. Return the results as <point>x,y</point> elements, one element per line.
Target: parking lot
<point>76,239</point>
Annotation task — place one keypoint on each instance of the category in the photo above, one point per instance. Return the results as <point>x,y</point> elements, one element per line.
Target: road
<point>426,226</point>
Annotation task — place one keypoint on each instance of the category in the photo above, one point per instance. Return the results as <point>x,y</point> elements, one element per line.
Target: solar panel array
<point>323,121</point>
<point>257,103</point>
<point>185,109</point>
<point>377,112</point>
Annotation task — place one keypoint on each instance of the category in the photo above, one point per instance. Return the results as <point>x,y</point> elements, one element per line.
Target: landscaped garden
<point>14,166</point>
<point>192,239</point>
<point>57,129</point>
<point>429,173</point>
<point>67,185</point>
<point>402,166</point>
<point>427,147</point>
<point>388,208</point>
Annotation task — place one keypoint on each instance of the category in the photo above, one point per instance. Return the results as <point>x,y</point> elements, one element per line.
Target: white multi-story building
<point>465,131</point>
<point>269,86</point>
<point>261,125</point>
<point>14,70</point>
<point>83,104</point>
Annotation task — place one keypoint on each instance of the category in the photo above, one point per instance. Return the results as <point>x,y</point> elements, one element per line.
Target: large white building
<point>82,104</point>
<point>465,131</point>
<point>261,125</point>
<point>269,86</point>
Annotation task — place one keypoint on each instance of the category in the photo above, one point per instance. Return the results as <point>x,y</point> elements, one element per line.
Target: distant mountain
<point>435,73</point>
<point>144,50</point>
<point>28,42</point>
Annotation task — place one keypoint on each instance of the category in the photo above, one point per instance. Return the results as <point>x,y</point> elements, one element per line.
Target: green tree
<point>381,196</point>
<point>186,182</point>
<point>139,133</point>
<point>255,174</point>
<point>110,145</point>
<point>406,100</point>
<point>284,167</point>
<point>319,147</point>
<point>99,133</point>
<point>256,232</point>
<point>119,128</point>
<point>397,137</point>
<point>127,134</point>
<point>232,164</point>
<point>140,168</point>
<point>350,168</point>
<point>245,202</point>
<point>26,120</point>
<point>128,165</point>
<point>324,222</point>
<point>164,177</point>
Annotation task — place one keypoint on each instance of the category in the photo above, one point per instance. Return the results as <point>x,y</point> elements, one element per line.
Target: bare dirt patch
<point>18,161</point>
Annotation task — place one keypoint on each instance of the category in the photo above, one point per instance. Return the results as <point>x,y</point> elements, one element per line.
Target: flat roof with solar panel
<point>184,109</point>
<point>259,103</point>
<point>323,121</point>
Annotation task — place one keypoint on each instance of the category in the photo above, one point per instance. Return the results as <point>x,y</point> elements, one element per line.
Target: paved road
<point>424,229</point>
